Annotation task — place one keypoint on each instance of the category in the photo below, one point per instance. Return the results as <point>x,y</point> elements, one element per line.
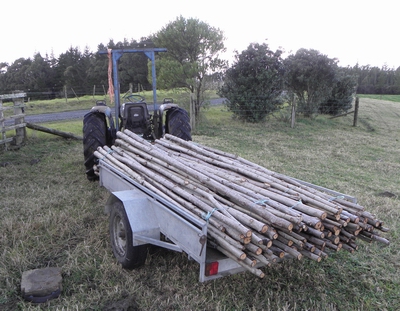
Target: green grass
<point>50,215</point>
<point>74,127</point>
<point>393,98</point>
<point>33,107</point>
<point>87,102</point>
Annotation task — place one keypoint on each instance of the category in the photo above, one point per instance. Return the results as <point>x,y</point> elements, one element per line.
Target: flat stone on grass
<point>41,285</point>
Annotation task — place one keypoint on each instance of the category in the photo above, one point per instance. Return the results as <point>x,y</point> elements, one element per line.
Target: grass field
<point>393,98</point>
<point>87,102</point>
<point>50,215</point>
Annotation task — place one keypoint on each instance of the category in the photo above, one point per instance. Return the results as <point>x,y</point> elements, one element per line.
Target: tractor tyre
<point>178,123</point>
<point>128,256</point>
<point>94,135</point>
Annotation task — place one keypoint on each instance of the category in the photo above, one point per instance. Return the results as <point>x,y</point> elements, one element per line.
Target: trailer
<point>139,217</point>
<point>147,218</point>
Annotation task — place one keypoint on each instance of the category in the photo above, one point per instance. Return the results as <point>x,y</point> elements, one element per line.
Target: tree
<point>254,84</point>
<point>16,77</point>
<point>310,75</point>
<point>3,71</point>
<point>72,68</point>
<point>375,80</point>
<point>29,75</point>
<point>97,72</point>
<point>133,66</point>
<point>193,53</point>
<point>3,67</point>
<point>40,74</point>
<point>397,81</point>
<point>342,94</point>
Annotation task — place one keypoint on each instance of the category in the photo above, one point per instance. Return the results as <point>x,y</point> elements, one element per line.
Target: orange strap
<point>110,80</point>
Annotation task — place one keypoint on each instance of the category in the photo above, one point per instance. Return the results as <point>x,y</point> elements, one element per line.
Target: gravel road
<point>56,116</point>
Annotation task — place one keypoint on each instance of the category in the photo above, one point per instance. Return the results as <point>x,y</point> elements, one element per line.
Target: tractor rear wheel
<point>128,256</point>
<point>94,136</point>
<point>178,123</point>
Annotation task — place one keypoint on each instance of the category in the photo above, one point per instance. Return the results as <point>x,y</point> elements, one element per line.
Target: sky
<point>353,31</point>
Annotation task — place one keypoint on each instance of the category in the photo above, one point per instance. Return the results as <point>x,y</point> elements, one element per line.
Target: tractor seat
<point>136,117</point>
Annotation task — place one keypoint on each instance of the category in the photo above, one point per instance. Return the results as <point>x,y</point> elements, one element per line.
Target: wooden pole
<point>293,119</point>
<point>192,112</point>
<point>3,133</point>
<point>19,121</point>
<point>18,110</point>
<point>75,94</point>
<point>290,220</point>
<point>356,112</point>
<point>52,131</point>
<point>342,114</point>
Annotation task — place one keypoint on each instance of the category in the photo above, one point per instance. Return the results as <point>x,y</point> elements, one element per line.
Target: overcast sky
<point>354,31</point>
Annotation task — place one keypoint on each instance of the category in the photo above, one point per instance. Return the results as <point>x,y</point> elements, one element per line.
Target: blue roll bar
<point>116,55</point>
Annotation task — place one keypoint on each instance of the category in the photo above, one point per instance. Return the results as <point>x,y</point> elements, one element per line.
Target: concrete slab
<point>41,285</point>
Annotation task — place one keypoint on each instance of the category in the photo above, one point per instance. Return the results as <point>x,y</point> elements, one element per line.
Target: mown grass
<point>393,98</point>
<point>50,215</point>
<point>87,102</point>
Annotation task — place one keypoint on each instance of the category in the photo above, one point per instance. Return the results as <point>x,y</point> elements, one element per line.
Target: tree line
<point>49,75</point>
<point>257,77</point>
<point>375,80</point>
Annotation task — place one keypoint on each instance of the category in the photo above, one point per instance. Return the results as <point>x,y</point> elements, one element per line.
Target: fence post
<point>20,132</point>
<point>65,94</point>
<point>293,119</point>
<point>16,140</point>
<point>3,133</point>
<point>75,95</point>
<point>356,112</point>
<point>192,112</point>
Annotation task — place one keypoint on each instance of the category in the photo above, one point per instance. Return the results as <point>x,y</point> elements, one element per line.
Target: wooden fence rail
<point>17,114</point>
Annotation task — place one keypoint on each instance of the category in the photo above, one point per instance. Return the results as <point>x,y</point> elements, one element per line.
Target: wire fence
<point>67,92</point>
<point>282,112</point>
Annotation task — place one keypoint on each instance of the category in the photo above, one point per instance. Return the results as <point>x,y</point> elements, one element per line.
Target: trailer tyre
<point>128,256</point>
<point>178,123</point>
<point>94,136</point>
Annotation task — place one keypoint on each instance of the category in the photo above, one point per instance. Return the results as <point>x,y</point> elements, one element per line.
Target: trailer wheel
<point>94,136</point>
<point>128,256</point>
<point>178,123</point>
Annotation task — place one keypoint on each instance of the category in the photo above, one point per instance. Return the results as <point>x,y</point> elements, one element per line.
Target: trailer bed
<point>152,216</point>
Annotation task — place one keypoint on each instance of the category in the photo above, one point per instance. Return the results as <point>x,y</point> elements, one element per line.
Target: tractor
<point>100,127</point>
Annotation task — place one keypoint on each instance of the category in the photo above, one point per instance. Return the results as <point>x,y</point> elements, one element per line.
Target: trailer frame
<point>151,216</point>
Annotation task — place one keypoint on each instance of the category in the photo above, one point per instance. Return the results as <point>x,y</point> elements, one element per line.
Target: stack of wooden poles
<point>255,216</point>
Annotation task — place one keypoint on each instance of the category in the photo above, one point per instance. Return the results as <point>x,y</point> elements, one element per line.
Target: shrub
<point>254,83</point>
